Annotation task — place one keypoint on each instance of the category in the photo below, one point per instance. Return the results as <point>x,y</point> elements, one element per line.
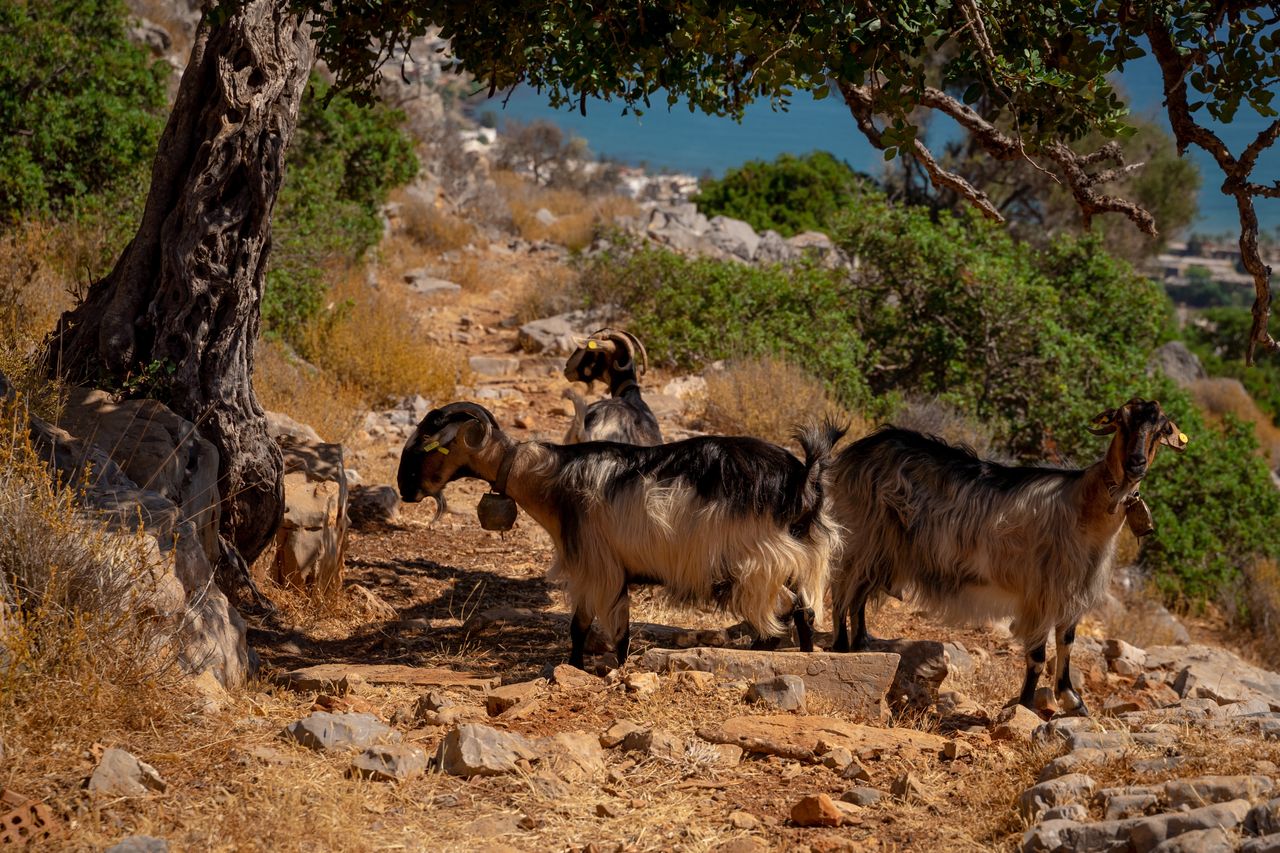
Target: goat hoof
<point>1071,705</point>
<point>766,644</point>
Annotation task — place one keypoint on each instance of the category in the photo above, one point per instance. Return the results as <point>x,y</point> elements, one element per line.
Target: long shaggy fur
<point>735,523</point>
<point>968,539</point>
<point>626,418</point>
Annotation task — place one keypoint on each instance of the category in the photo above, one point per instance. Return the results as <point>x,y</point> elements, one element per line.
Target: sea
<point>678,140</point>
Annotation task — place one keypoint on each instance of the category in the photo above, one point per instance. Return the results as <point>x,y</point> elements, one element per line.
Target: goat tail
<point>818,442</point>
<point>578,429</point>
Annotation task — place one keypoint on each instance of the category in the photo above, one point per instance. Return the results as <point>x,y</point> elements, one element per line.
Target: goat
<point>973,539</point>
<point>610,355</point>
<point>735,522</point>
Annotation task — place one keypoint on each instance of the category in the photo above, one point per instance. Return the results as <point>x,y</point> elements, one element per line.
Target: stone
<point>909,789</point>
<point>1071,788</point>
<point>478,750</point>
<point>806,739</point>
<point>744,844</point>
<point>499,699</point>
<point>327,676</point>
<point>1120,806</point>
<point>1071,811</point>
<point>311,541</point>
<point>782,692</point>
<point>369,506</point>
<point>545,217</point>
<point>559,335</point>
<point>139,844</point>
<point>279,424</point>
<point>816,810</point>
<point>1077,760</point>
<point>1149,832</point>
<point>1123,658</point>
<point>743,820</point>
<point>1213,840</point>
<point>573,756</point>
<point>862,796</point>
<point>960,664</point>
<point>390,763</point>
<point>121,774</point>
<point>1265,844</point>
<point>1210,672</point>
<point>610,810</point>
<point>326,732</point>
<point>837,759</point>
<point>1206,790</point>
<point>856,771</point>
<point>956,749</point>
<point>858,683</point>
<point>490,366</point>
<point>1264,818</point>
<point>492,826</point>
<point>426,284</point>
<point>617,733</point>
<point>1069,836</point>
<point>734,237</point>
<point>1177,362</point>
<point>1016,723</point>
<point>572,678</point>
<point>642,683</point>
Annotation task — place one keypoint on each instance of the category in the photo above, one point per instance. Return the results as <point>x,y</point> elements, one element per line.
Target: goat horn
<point>644,354</point>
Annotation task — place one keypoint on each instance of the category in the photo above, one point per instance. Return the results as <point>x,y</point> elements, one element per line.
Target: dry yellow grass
<point>370,339</point>
<point>284,383</point>
<point>1262,584</point>
<point>431,227</point>
<point>1220,396</point>
<point>768,398</point>
<point>578,216</point>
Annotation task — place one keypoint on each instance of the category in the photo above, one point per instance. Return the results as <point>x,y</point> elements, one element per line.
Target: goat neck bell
<point>497,511</point>
<point>1138,515</point>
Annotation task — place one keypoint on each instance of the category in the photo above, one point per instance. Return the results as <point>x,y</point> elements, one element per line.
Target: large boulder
<point>312,539</point>
<point>176,590</point>
<point>1177,362</point>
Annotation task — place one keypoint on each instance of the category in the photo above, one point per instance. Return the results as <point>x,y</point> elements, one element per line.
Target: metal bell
<point>1139,517</point>
<point>496,512</point>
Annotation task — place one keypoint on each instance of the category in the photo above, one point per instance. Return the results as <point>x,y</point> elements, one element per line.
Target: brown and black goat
<point>971,539</point>
<point>618,359</point>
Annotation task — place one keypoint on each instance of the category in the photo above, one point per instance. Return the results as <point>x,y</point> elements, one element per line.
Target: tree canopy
<point>1041,67</point>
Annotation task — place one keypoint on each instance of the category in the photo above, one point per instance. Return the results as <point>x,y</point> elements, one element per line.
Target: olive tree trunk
<point>177,318</point>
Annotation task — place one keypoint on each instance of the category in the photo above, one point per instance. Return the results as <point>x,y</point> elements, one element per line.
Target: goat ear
<point>1104,423</point>
<point>1174,438</point>
<point>474,434</point>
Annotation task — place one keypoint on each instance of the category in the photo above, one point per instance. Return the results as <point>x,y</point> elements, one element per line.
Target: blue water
<point>677,140</point>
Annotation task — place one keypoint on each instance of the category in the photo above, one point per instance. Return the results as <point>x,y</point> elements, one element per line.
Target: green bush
<point>1214,507</point>
<point>81,107</point>
<point>1218,338</point>
<point>790,194</point>
<point>691,312</point>
<point>343,162</point>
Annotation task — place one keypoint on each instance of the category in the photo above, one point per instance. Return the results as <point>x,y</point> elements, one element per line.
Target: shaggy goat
<point>610,356</point>
<point>735,522</point>
<point>972,539</point>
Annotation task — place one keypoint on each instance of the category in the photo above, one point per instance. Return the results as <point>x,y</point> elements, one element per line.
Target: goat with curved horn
<point>610,355</point>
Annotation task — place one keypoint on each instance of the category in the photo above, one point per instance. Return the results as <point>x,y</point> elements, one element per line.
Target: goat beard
<point>1122,494</point>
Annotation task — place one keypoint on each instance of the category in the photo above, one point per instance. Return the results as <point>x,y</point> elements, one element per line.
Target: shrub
<point>285,383</point>
<point>789,195</point>
<point>1218,337</point>
<point>343,162</point>
<point>578,215</point>
<point>769,398</point>
<point>81,107</point>
<point>691,312</point>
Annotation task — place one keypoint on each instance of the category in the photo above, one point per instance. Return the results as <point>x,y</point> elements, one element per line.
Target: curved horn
<point>644,354</point>
<point>454,411</point>
<point>622,341</point>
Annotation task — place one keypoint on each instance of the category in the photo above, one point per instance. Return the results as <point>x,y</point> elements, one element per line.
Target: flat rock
<point>858,682</point>
<point>494,365</point>
<point>1209,672</point>
<point>1039,798</point>
<point>573,756</point>
<point>325,731</point>
<point>428,285</point>
<point>1264,844</point>
<point>617,733</point>
<point>572,678</point>
<point>1016,723</point>
<point>326,676</point>
<point>1213,840</point>
<point>1147,833</point>
<point>922,667</point>
<point>476,750</point>
<point>390,763</point>
<point>861,796</point>
<point>372,505</point>
<point>807,739</point>
<point>1264,818</point>
<point>1207,790</point>
<point>139,844</point>
<point>499,699</point>
<point>121,774</point>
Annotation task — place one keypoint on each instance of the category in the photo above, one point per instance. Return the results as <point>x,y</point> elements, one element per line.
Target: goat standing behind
<point>971,539</point>
<point>610,355</point>
<point>734,522</point>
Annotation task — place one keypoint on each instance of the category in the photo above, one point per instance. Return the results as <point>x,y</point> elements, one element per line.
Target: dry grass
<point>578,216</point>
<point>287,384</point>
<point>934,417</point>
<point>370,339</point>
<point>432,227</point>
<point>1262,585</point>
<point>1220,396</point>
<point>769,398</point>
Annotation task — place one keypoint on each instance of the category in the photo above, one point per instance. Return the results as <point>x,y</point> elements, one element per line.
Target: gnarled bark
<point>177,318</point>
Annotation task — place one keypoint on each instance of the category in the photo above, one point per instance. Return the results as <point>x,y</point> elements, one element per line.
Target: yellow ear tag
<point>1182,436</point>
<point>592,345</point>
<point>435,445</point>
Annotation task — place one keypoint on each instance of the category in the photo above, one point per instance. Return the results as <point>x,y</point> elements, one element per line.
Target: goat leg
<point>1069,701</point>
<point>579,625</point>
<point>621,621</point>
<point>1035,668</point>
<point>802,616</point>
